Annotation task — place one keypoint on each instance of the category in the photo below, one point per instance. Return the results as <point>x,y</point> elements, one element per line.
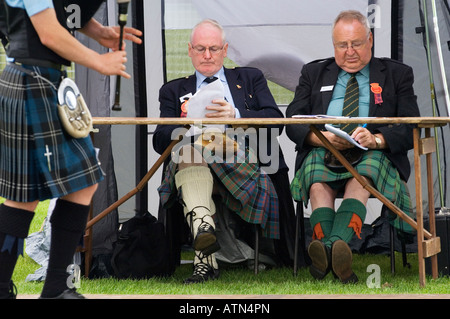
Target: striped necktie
<point>351,103</point>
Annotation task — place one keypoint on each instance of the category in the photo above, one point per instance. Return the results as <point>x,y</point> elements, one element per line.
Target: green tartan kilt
<point>374,165</point>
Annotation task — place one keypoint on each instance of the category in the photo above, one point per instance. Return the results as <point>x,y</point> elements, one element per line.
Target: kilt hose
<point>39,160</point>
<point>246,190</point>
<point>374,165</point>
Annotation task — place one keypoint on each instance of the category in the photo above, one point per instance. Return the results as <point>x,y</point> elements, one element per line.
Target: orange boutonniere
<point>184,108</point>
<point>376,90</point>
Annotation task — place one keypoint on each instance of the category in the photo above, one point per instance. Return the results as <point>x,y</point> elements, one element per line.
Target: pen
<point>364,125</point>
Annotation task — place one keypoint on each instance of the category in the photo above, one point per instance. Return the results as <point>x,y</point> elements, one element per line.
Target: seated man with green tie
<point>353,83</point>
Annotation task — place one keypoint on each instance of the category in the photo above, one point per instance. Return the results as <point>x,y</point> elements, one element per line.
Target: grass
<point>242,281</point>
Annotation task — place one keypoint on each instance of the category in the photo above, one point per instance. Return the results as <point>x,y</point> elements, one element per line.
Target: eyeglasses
<point>356,45</point>
<point>201,49</point>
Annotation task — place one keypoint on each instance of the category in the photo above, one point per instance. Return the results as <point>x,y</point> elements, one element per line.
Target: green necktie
<point>351,103</point>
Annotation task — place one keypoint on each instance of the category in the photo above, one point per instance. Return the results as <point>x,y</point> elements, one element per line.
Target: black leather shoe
<point>341,261</point>
<point>202,272</point>
<point>206,240</point>
<point>320,258</point>
<point>67,294</point>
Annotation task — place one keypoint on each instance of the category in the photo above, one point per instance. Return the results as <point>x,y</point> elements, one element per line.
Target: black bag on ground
<point>141,250</point>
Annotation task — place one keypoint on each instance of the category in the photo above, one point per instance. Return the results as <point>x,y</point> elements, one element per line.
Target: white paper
<point>344,135</point>
<point>325,116</point>
<point>203,97</point>
<point>198,103</point>
<point>318,116</point>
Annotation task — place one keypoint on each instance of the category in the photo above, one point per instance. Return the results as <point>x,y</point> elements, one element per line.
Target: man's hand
<point>365,138</point>
<point>223,109</point>
<point>110,37</point>
<point>338,142</point>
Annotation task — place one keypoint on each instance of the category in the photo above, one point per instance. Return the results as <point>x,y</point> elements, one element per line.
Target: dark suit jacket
<point>396,80</point>
<point>250,93</point>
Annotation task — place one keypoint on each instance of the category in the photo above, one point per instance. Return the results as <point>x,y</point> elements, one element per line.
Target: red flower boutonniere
<point>376,90</point>
<point>184,100</point>
<point>184,108</point>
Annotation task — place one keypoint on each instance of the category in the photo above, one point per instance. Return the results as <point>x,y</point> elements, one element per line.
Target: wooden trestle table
<point>428,242</point>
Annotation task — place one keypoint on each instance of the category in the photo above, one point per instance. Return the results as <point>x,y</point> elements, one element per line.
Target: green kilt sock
<point>321,220</point>
<point>348,220</point>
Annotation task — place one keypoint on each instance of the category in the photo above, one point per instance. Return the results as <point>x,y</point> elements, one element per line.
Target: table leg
<point>431,212</point>
<point>419,207</point>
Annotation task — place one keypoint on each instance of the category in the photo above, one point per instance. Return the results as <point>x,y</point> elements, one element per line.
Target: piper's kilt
<point>39,160</point>
<point>374,165</point>
<point>247,191</point>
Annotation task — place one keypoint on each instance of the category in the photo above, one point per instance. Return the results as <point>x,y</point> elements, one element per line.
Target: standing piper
<point>39,160</point>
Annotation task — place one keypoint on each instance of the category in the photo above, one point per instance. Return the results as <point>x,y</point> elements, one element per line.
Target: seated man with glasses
<point>353,83</point>
<point>242,185</point>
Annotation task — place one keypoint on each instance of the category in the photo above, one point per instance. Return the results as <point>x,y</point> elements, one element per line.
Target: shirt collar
<point>364,71</point>
<point>220,75</point>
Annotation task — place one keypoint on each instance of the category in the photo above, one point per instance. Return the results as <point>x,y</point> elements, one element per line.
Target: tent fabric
<point>277,37</point>
<point>95,89</point>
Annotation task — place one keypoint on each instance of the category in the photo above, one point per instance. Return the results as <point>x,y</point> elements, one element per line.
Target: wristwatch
<point>378,142</point>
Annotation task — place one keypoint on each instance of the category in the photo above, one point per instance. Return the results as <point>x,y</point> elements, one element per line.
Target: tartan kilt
<point>39,160</point>
<point>374,165</point>
<point>246,190</point>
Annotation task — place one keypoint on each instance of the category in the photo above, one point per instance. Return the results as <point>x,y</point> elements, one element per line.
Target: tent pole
<point>441,59</point>
<point>433,95</point>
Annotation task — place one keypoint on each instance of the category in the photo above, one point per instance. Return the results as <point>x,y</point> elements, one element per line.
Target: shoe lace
<point>201,269</point>
<point>204,226</point>
<point>191,216</point>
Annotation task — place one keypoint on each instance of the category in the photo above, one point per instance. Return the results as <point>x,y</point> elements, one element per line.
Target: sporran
<point>73,111</point>
<point>352,155</point>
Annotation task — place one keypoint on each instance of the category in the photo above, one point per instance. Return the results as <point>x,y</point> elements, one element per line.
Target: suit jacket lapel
<point>377,75</point>
<point>189,85</point>
<point>329,80</point>
<point>237,87</point>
